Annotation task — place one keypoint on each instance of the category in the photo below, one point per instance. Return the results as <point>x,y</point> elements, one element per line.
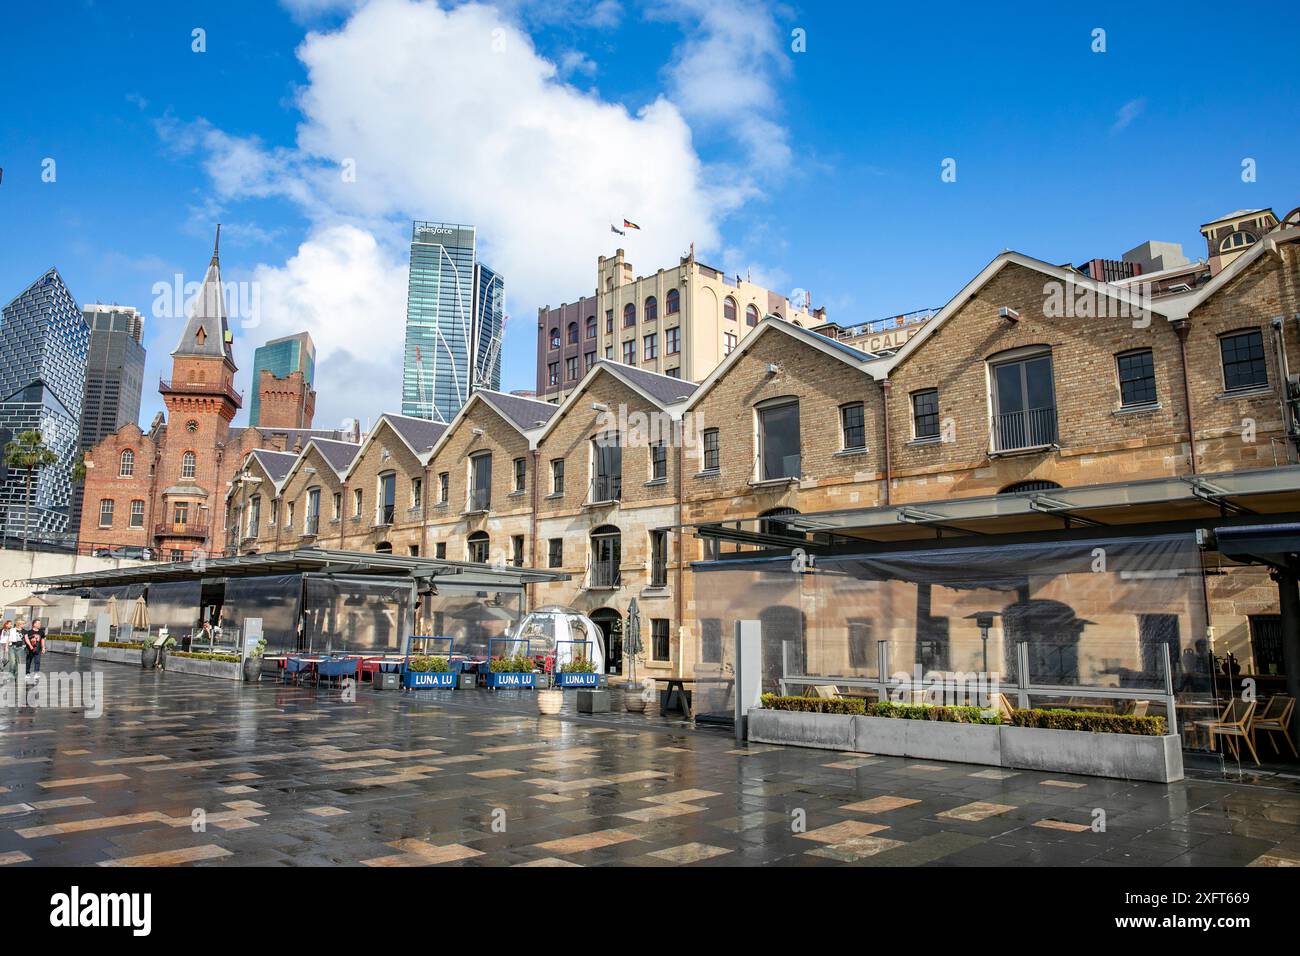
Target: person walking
<point>34,641</point>
<point>10,639</point>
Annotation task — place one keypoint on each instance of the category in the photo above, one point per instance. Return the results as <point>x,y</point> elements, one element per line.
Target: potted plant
<point>253,663</point>
<point>550,701</point>
<point>428,671</point>
<point>168,642</point>
<point>516,671</point>
<point>577,672</point>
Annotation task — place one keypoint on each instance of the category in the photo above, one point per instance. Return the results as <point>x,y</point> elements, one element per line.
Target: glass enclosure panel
<point>471,617</point>
<point>175,606</point>
<point>275,599</point>
<point>353,615</point>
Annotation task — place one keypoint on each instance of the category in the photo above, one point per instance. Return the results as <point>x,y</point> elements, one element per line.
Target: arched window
<point>629,314</point>
<point>555,337</point>
<point>477,545</point>
<point>573,333</point>
<point>1236,240</point>
<point>673,301</point>
<point>606,555</point>
<point>1020,487</point>
<point>651,308</point>
<point>189,464</point>
<point>751,315</point>
<point>729,309</point>
<point>126,468</point>
<point>591,326</point>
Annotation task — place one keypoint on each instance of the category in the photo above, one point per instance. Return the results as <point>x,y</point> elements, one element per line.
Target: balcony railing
<point>606,488</point>
<point>1029,428</point>
<point>206,388</point>
<point>480,499</point>
<point>604,574</point>
<point>180,529</point>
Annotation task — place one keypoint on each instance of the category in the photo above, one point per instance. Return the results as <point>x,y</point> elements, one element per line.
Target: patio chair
<point>1276,719</point>
<point>294,670</point>
<point>1137,708</point>
<point>1234,722</point>
<point>823,691</point>
<point>335,670</point>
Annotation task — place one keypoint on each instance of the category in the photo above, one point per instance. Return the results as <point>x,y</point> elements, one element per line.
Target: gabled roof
<point>1180,306</point>
<point>276,464</point>
<point>864,362</point>
<point>207,332</point>
<point>524,415</point>
<point>1069,277</point>
<point>339,455</point>
<point>419,435</point>
<point>663,391</point>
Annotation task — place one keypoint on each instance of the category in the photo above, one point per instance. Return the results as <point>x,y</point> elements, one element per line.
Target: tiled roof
<point>524,412</point>
<point>275,463</point>
<point>420,433</point>
<point>339,454</point>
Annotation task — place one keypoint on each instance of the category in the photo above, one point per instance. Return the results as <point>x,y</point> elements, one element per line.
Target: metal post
<point>749,673</point>
<point>1022,675</point>
<point>1171,706</point>
<point>882,673</point>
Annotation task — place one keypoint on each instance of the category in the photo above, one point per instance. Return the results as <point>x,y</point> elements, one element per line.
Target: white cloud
<point>1128,113</point>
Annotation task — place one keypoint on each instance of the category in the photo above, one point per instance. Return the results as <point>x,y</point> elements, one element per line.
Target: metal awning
<point>1259,492</point>
<point>1277,545</point>
<point>309,561</point>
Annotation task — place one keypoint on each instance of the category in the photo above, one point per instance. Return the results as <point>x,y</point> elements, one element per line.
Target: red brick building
<point>164,489</point>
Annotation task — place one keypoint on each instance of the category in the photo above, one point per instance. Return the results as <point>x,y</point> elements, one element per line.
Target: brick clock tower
<point>201,403</point>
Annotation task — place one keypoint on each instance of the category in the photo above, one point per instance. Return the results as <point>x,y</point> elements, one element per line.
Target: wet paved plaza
<point>188,770</point>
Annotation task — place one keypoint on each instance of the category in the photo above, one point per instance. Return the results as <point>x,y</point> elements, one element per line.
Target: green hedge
<point>1089,720</point>
<point>861,707</point>
<point>427,663</point>
<point>205,656</point>
<point>579,665</point>
<point>128,645</point>
<point>518,664</point>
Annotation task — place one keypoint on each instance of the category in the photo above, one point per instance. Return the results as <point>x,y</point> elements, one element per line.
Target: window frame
<point>918,415</point>
<point>861,426</point>
<point>762,410</point>
<point>1121,381</point>
<point>1262,359</point>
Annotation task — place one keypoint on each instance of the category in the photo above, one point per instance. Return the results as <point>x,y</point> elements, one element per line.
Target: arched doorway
<point>610,623</point>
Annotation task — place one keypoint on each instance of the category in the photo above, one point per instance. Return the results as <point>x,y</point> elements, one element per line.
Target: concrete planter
<point>1125,756</point>
<point>117,655</point>
<point>927,739</point>
<point>824,731</point>
<point>62,647</point>
<point>1122,756</point>
<point>225,670</point>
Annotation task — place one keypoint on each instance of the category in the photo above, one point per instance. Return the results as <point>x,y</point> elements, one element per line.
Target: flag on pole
<point>629,224</point>
<point>614,228</point>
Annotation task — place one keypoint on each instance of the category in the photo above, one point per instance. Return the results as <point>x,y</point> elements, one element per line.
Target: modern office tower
<point>114,370</point>
<point>284,371</point>
<point>44,342</point>
<point>455,319</point>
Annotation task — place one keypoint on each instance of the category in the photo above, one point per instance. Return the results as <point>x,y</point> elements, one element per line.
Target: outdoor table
<point>676,685</point>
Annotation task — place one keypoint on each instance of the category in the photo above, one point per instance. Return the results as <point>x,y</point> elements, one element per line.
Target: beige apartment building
<point>680,322</point>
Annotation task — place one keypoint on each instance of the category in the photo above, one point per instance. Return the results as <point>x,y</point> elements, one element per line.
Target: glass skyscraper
<point>44,343</point>
<point>455,316</point>
<point>280,357</point>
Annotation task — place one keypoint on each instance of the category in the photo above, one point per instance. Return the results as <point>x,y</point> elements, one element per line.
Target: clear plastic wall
<point>351,615</point>
<point>1093,613</point>
<point>276,599</point>
<point>472,617</point>
<point>174,605</point>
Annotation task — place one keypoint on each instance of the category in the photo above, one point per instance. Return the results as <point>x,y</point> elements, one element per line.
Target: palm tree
<point>29,453</point>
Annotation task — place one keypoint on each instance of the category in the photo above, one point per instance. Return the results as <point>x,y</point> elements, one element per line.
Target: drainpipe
<point>1183,327</point>
<point>424,512</point>
<point>885,387</point>
<point>529,590</point>
<point>343,517</point>
<point>679,599</point>
<point>1283,373</point>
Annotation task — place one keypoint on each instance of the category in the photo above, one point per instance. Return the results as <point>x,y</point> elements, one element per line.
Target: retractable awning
<point>1277,545</point>
<point>308,560</point>
<point>1255,493</point>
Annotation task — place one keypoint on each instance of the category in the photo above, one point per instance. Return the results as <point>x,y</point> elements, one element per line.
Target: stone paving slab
<point>185,771</point>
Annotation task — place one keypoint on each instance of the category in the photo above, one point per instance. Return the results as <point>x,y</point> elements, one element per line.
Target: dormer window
<point>1236,241</point>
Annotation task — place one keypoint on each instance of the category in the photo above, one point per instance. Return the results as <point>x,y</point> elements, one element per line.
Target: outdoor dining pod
<point>321,601</point>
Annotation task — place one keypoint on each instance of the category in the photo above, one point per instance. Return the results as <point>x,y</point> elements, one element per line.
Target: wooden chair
<point>1234,722</point>
<point>1276,719</point>
<point>1137,708</point>
<point>824,691</point>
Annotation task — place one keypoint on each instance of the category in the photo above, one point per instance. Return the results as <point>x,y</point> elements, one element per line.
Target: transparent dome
<point>564,633</point>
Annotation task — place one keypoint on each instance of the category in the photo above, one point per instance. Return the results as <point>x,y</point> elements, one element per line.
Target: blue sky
<point>543,122</point>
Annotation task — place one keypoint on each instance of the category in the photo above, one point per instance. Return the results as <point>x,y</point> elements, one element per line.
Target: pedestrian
<point>34,640</point>
<point>10,638</point>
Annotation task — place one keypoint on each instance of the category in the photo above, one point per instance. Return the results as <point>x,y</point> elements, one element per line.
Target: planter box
<point>927,739</point>
<point>62,647</point>
<point>428,680</point>
<point>1126,756</point>
<point>117,655</point>
<point>593,702</point>
<point>576,680</point>
<point>510,679</point>
<point>1122,756</point>
<point>824,731</point>
<point>225,670</point>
